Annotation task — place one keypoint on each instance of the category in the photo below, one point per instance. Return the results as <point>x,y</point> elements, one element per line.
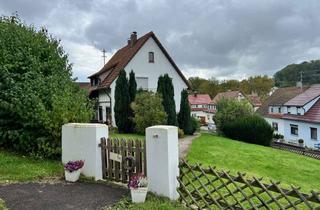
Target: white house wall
<point>142,68</point>
<point>280,124</point>
<point>303,132</point>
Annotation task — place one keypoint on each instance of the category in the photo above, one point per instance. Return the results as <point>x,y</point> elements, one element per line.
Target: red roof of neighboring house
<point>306,96</point>
<point>84,85</point>
<point>226,95</point>
<point>255,100</point>
<point>195,99</point>
<point>312,115</point>
<point>123,56</point>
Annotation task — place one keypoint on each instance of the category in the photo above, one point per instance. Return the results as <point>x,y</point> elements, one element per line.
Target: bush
<point>277,136</point>
<point>252,129</point>
<point>195,125</point>
<point>184,116</point>
<point>148,111</point>
<point>180,133</point>
<point>37,92</point>
<point>229,110</point>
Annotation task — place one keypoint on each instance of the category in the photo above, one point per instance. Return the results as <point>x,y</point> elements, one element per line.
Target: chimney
<point>128,41</point>
<point>133,38</point>
<point>195,93</point>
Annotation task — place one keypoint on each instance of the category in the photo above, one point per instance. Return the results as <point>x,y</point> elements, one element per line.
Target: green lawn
<point>126,136</point>
<point>152,202</point>
<point>19,168</point>
<point>255,160</point>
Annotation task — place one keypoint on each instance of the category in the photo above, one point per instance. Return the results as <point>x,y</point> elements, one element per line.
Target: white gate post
<point>80,141</point>
<point>163,160</point>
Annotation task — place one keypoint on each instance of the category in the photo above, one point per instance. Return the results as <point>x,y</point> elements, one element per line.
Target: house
<point>148,58</point>
<point>294,112</point>
<point>200,107</point>
<point>253,99</point>
<point>84,86</point>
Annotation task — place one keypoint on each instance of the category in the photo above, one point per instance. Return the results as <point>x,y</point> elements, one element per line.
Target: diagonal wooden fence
<point>297,149</point>
<point>208,188</point>
<point>122,157</point>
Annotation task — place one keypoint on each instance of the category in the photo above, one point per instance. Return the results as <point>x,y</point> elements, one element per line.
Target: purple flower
<point>137,181</point>
<point>74,165</point>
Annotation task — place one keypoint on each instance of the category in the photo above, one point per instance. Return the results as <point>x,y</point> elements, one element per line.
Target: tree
<point>122,103</point>
<point>37,92</point>
<point>132,95</point>
<point>229,110</point>
<point>165,88</point>
<point>184,118</point>
<point>148,111</point>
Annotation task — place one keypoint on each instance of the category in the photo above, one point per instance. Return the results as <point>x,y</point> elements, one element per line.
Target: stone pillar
<point>163,160</point>
<point>81,141</point>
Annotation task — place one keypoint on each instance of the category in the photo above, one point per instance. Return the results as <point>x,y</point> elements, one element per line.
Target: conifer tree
<point>165,88</point>
<point>184,118</point>
<point>132,95</point>
<point>122,103</point>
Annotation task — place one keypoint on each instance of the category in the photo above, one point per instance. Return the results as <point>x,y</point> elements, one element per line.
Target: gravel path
<point>44,196</point>
<point>185,143</point>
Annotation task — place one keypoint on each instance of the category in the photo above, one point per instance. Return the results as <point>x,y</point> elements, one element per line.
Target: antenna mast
<point>104,56</point>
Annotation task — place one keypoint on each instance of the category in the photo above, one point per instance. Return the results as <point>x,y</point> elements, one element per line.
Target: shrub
<point>277,136</point>
<point>252,129</point>
<point>195,125</point>
<point>37,92</point>
<point>229,110</point>
<point>180,133</point>
<point>148,111</point>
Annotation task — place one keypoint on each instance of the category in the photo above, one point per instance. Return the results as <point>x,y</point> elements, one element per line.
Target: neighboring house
<point>148,59</point>
<point>294,112</point>
<point>200,107</point>
<point>253,99</point>
<point>84,85</point>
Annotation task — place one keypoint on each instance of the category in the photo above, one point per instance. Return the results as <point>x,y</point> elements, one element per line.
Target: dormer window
<point>151,57</point>
<point>95,81</point>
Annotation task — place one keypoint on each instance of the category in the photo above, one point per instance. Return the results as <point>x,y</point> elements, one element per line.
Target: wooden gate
<point>122,157</point>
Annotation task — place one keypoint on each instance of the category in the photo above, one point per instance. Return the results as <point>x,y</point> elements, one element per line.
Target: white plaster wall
<point>104,101</point>
<point>142,68</point>
<point>81,141</point>
<point>303,132</point>
<point>208,116</point>
<point>280,124</point>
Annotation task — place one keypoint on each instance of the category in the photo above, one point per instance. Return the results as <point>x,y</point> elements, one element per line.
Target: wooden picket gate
<point>122,157</point>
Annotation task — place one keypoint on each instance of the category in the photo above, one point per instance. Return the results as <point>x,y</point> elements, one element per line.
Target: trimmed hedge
<point>252,129</point>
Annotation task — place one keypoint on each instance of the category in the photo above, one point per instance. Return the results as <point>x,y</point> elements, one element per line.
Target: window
<point>100,113</point>
<point>95,81</point>
<point>294,129</point>
<point>151,57</point>
<point>279,109</point>
<point>275,126</point>
<point>313,133</point>
<point>142,83</point>
<point>194,115</point>
<point>271,109</point>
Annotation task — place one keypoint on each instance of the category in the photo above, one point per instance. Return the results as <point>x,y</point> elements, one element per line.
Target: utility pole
<point>104,56</point>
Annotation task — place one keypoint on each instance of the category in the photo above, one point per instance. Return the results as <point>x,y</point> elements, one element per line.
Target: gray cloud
<point>220,38</point>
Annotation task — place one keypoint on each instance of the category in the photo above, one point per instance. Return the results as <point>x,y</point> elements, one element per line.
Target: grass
<point>256,160</point>
<point>17,168</point>
<point>3,205</point>
<point>152,202</point>
<point>126,136</point>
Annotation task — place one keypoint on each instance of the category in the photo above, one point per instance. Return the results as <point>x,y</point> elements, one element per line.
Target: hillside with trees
<point>258,84</point>
<point>309,72</point>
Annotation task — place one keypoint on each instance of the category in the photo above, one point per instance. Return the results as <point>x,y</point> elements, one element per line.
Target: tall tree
<point>122,103</point>
<point>132,96</point>
<point>166,89</point>
<point>37,92</point>
<point>184,118</point>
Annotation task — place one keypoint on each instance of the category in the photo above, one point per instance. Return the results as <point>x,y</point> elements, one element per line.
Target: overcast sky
<point>224,39</point>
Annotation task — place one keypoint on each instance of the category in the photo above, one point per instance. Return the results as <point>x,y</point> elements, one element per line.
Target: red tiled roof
<point>312,115</point>
<point>123,56</point>
<point>255,100</point>
<point>199,99</point>
<point>305,97</point>
<point>84,85</point>
<point>226,95</point>
<point>203,109</point>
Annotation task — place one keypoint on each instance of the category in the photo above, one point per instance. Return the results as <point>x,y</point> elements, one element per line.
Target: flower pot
<point>72,176</point>
<point>138,195</point>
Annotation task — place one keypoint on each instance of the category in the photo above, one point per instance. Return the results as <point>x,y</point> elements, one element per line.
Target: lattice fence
<point>208,188</point>
<point>296,149</point>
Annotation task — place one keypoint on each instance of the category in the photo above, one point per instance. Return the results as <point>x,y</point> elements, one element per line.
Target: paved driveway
<point>40,196</point>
